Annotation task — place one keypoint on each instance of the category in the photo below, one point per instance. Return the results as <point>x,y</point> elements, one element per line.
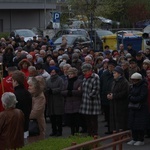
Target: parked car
<point>96,36</point>
<point>72,32</point>
<point>26,33</point>
<point>73,41</point>
<point>37,31</point>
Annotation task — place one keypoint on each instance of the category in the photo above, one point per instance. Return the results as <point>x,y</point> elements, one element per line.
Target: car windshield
<point>25,33</point>
<point>103,33</point>
<point>70,40</point>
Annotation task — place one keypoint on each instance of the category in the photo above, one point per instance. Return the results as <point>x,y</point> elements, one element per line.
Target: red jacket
<point>7,86</point>
<point>148,94</point>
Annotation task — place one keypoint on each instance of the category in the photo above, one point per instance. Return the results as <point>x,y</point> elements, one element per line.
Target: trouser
<point>56,121</point>
<point>106,113</point>
<point>73,122</point>
<point>138,135</point>
<point>92,124</point>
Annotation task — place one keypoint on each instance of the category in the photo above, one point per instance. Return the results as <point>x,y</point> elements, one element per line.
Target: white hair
<point>9,100</point>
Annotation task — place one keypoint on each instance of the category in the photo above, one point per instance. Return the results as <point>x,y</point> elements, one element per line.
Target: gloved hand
<point>69,93</point>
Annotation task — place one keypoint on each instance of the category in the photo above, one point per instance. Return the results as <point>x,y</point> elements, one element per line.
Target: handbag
<point>33,128</point>
<point>135,106</point>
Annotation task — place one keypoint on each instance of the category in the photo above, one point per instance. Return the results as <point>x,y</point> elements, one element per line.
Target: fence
<point>117,139</point>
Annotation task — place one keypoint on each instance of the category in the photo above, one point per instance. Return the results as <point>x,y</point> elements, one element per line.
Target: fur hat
<point>146,61</point>
<point>24,61</point>
<point>75,56</point>
<point>136,76</point>
<point>86,67</point>
<point>72,70</point>
<point>65,56</point>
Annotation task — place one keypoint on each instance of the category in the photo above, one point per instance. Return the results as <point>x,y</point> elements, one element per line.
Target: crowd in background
<point>74,85</point>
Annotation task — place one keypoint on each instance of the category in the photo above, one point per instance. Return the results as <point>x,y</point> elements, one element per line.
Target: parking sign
<point>56,17</point>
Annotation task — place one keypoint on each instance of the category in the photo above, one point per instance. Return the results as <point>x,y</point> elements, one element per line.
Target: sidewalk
<point>102,130</point>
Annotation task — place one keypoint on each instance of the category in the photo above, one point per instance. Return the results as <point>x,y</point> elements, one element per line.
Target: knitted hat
<point>53,68</point>
<point>119,70</point>
<point>136,76</point>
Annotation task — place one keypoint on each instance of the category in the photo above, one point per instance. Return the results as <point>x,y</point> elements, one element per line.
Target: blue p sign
<point>56,17</point>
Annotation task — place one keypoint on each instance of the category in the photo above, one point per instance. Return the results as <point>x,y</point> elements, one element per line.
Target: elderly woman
<point>118,98</point>
<point>90,104</point>
<point>138,110</point>
<point>55,101</point>
<point>11,123</point>
<point>36,88</point>
<point>73,97</point>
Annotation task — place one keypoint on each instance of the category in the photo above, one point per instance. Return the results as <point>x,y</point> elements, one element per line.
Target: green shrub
<point>4,34</point>
<point>56,143</point>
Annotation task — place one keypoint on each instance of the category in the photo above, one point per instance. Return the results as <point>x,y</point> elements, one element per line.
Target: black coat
<point>24,103</point>
<point>138,118</point>
<point>106,80</point>
<point>119,105</point>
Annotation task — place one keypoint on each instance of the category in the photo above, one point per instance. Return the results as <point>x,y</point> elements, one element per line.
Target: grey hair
<point>31,68</point>
<point>9,100</point>
<point>67,66</point>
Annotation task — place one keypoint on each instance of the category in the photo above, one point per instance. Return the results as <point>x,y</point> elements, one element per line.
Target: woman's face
<point>145,66</point>
<point>24,66</point>
<point>31,88</point>
<point>53,72</point>
<point>14,83</point>
<point>71,75</point>
<point>148,74</point>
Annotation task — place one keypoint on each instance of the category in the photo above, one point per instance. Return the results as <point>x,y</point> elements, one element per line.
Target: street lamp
<point>69,8</point>
<point>89,2</point>
<point>44,14</point>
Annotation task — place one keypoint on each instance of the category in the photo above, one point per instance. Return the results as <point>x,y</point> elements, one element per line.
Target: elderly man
<point>11,124</point>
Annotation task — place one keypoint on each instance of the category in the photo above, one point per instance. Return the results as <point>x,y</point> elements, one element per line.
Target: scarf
<point>71,83</point>
<point>88,75</point>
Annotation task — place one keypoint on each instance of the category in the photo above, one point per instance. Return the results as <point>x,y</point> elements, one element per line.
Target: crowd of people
<point>72,86</point>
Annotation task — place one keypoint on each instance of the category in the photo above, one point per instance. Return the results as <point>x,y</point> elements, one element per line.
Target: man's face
<point>111,67</point>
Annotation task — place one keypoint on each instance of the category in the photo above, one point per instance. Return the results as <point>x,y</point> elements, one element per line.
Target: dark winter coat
<point>74,98</point>
<point>24,99</point>
<point>55,100</point>
<point>105,86</point>
<point>138,118</point>
<point>90,104</point>
<point>119,104</point>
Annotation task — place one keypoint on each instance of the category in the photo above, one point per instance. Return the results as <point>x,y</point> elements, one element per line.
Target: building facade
<point>17,14</point>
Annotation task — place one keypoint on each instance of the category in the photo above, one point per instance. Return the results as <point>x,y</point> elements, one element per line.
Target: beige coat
<point>37,112</point>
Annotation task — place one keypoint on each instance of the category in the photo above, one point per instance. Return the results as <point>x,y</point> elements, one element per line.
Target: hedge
<point>4,35</point>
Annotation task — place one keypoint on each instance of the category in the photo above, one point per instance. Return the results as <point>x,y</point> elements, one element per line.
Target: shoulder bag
<point>33,128</point>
